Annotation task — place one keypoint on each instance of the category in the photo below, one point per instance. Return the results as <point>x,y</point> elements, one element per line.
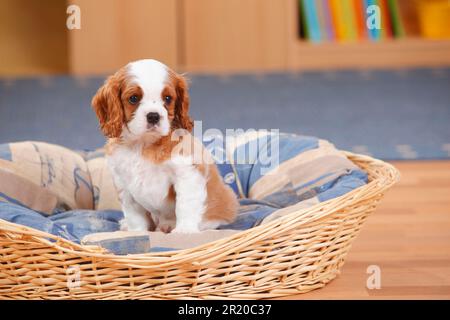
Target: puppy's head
<point>143,100</point>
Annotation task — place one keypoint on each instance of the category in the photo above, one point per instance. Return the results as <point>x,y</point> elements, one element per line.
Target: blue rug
<point>387,114</point>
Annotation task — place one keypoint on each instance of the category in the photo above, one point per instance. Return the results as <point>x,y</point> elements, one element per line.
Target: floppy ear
<point>182,118</point>
<point>108,107</point>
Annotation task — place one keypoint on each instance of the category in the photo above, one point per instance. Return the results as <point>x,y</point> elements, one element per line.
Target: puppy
<point>143,110</point>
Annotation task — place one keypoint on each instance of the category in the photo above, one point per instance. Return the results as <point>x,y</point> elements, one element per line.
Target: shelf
<point>394,53</point>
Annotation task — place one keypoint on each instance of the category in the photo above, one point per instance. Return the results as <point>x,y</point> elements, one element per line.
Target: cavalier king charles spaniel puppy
<point>142,109</point>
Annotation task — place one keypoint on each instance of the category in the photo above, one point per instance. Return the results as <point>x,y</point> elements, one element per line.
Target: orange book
<point>409,15</point>
<point>338,19</point>
<point>360,14</point>
<point>386,25</point>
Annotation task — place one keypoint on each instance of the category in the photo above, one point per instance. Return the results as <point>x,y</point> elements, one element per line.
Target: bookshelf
<point>388,53</point>
<point>396,54</point>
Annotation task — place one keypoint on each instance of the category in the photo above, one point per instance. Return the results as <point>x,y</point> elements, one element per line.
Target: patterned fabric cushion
<point>71,194</point>
<point>53,170</point>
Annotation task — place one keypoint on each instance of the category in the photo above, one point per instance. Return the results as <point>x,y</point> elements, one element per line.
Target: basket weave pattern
<point>293,254</point>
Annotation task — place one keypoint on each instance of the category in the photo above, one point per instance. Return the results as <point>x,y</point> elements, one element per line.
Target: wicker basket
<point>293,254</point>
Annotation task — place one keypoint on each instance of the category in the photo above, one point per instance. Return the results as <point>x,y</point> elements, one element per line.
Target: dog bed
<point>60,215</point>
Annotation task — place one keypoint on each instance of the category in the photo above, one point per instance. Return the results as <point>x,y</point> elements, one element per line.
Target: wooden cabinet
<point>189,35</point>
<point>234,35</point>
<point>33,37</point>
<point>114,32</point>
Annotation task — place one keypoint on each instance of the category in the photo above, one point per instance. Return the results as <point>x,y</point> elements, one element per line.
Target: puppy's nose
<point>153,117</point>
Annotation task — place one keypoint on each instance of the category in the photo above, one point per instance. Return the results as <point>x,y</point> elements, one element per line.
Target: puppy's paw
<point>166,228</point>
<point>123,225</point>
<point>186,229</point>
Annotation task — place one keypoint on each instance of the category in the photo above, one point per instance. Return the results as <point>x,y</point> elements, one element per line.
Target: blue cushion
<point>322,173</point>
<point>72,225</point>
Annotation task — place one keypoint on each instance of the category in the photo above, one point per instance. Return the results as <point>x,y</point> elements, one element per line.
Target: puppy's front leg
<point>190,189</point>
<point>136,216</point>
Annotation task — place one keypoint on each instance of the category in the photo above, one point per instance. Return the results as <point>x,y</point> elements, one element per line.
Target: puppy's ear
<point>182,118</point>
<point>107,105</point>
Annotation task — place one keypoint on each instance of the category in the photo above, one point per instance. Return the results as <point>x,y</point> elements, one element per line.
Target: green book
<point>397,23</point>
<point>304,31</point>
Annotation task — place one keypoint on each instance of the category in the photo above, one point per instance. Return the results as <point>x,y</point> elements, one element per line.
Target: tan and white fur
<point>140,108</point>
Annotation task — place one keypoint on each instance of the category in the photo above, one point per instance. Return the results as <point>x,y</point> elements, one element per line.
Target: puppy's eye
<point>168,99</point>
<point>133,99</point>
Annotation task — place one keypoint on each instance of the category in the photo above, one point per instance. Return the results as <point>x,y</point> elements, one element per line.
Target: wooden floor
<point>408,237</point>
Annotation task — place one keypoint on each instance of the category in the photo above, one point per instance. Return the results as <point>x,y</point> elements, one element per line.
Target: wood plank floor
<point>408,237</point>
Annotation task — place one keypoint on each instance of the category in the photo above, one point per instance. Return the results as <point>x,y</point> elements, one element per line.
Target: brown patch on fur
<point>152,224</point>
<point>169,90</point>
<point>107,104</point>
<point>221,202</point>
<point>128,91</point>
<point>111,104</point>
<point>160,150</point>
<point>171,195</point>
<point>181,119</point>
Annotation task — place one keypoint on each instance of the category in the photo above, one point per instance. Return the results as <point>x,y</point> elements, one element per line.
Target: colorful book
<point>329,26</point>
<point>338,18</point>
<point>350,20</point>
<point>409,16</point>
<point>360,14</point>
<point>386,26</point>
<point>302,24</point>
<point>397,23</point>
<point>348,11</point>
<point>320,11</point>
<point>373,33</point>
<point>311,20</point>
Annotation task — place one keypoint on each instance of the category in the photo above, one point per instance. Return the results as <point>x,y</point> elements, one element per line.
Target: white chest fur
<point>145,187</point>
<point>148,183</point>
